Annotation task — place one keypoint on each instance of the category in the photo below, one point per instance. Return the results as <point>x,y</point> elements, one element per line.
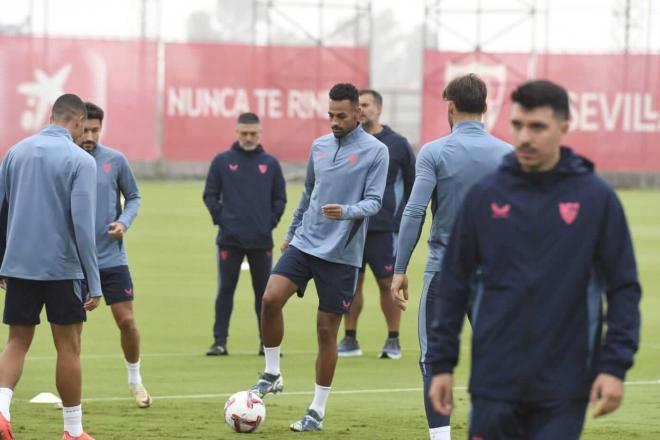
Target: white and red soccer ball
<point>245,411</point>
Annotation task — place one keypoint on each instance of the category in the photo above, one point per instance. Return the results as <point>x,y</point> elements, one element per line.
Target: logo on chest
<point>233,167</point>
<point>569,211</point>
<point>498,211</point>
<point>353,159</point>
<point>106,167</point>
<point>263,168</point>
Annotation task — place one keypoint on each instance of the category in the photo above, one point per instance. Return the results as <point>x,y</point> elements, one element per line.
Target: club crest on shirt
<point>233,167</point>
<point>106,167</point>
<point>569,211</point>
<point>263,168</point>
<point>352,159</point>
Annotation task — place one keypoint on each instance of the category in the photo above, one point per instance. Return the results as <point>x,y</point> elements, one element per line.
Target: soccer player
<point>551,240</point>
<point>382,230</point>
<point>115,179</point>
<point>346,177</point>
<point>446,169</point>
<point>48,196</point>
<point>245,195</point>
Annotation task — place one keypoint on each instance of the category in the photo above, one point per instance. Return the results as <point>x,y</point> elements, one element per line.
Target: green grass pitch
<point>171,251</point>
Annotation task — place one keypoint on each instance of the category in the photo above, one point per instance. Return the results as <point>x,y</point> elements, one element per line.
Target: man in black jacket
<point>380,245</point>
<point>550,240</point>
<point>245,195</point>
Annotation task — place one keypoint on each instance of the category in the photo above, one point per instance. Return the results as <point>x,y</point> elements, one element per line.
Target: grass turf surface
<point>171,252</point>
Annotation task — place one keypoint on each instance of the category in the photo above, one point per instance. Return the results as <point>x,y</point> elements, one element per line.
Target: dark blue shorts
<point>505,420</point>
<point>24,300</point>
<point>379,254</point>
<point>335,282</point>
<point>116,284</point>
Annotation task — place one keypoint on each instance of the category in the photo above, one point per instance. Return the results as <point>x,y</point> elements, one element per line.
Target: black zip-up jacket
<point>245,195</point>
<point>400,179</point>
<point>551,246</point>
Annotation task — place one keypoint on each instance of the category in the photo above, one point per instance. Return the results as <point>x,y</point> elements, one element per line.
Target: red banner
<point>119,76</point>
<point>615,100</point>
<point>208,85</point>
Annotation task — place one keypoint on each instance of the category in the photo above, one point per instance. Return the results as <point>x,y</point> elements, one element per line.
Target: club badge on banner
<point>615,100</point>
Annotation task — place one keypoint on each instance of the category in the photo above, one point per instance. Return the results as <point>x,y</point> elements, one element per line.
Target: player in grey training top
<point>446,168</point>
<point>47,190</point>
<point>114,179</point>
<point>346,177</point>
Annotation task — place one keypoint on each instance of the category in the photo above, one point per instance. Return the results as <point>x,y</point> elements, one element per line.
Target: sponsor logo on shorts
<point>500,211</point>
<point>224,254</point>
<point>388,268</point>
<point>128,292</point>
<point>346,305</point>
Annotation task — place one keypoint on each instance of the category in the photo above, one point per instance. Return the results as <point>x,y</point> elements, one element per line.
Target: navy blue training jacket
<point>400,179</point>
<point>245,195</point>
<point>550,247</point>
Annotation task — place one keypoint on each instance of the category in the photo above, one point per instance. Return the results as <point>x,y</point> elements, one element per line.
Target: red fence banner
<point>615,100</point>
<point>119,76</point>
<point>208,85</point>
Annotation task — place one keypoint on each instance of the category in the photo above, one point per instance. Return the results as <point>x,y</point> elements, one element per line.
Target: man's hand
<point>285,246</point>
<point>399,282</point>
<point>3,283</point>
<point>331,211</point>
<point>441,393</point>
<point>116,230</point>
<point>91,303</point>
<point>609,390</point>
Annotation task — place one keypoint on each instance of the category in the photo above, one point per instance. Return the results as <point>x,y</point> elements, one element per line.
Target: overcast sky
<point>568,25</point>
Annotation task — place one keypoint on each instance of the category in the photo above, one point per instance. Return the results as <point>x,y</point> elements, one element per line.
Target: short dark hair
<point>542,93</point>
<point>94,111</point>
<point>342,91</point>
<point>67,106</point>
<point>468,93</point>
<point>248,118</point>
<point>378,98</point>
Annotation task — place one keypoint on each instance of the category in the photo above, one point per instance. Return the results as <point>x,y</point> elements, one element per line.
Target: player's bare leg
<point>68,375</point>
<point>130,335</point>
<point>327,326</point>
<point>392,313</point>
<point>278,291</point>
<point>349,346</point>
<point>130,344</point>
<point>12,358</point>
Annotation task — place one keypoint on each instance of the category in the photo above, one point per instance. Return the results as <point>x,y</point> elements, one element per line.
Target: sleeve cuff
<point>615,370</point>
<point>441,368</point>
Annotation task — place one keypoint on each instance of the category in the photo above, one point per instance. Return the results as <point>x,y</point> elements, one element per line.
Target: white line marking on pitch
<point>309,393</point>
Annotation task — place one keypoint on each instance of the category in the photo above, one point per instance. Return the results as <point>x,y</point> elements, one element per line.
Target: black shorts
<point>379,253</point>
<point>335,282</point>
<point>24,300</point>
<point>549,420</point>
<point>116,284</point>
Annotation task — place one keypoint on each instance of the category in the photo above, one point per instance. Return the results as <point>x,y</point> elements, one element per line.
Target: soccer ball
<point>245,411</point>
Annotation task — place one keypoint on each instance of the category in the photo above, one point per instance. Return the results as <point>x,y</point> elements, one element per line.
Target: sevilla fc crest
<point>106,167</point>
<point>263,168</point>
<point>569,211</point>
